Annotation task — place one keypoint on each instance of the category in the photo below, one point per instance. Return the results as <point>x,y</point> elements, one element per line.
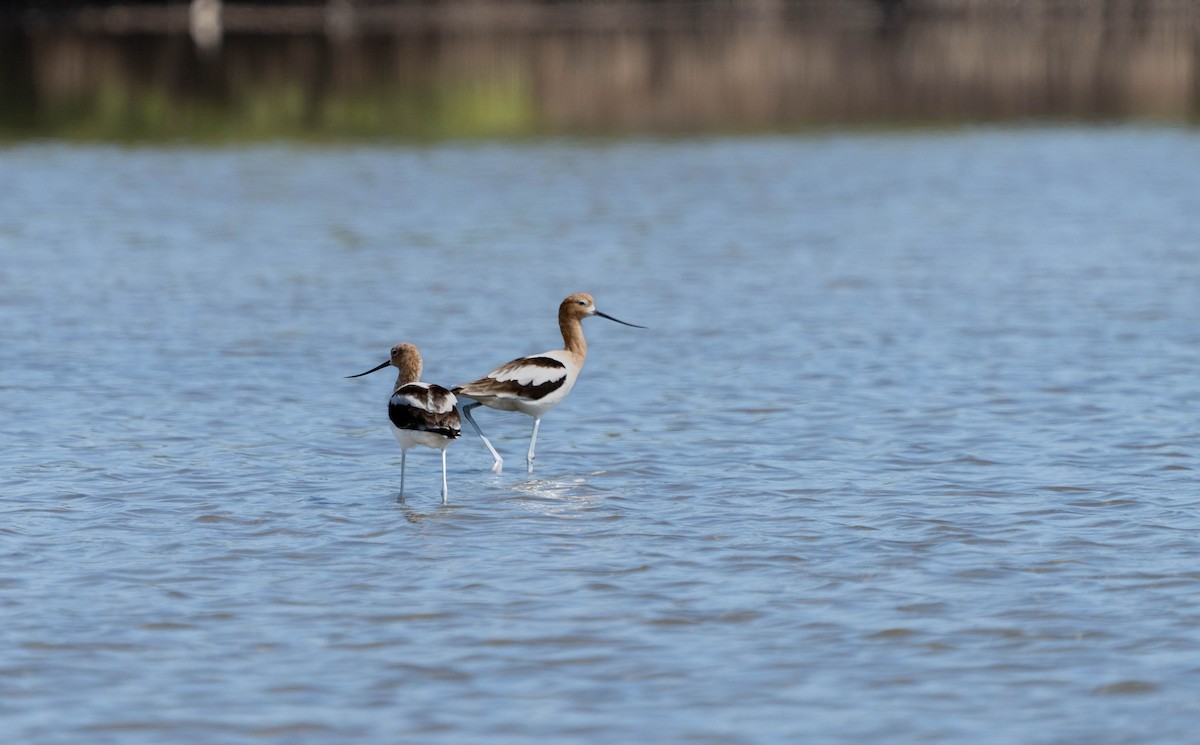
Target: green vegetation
<point>448,109</point>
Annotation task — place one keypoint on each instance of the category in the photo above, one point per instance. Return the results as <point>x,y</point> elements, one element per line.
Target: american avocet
<point>533,385</point>
<point>420,413</point>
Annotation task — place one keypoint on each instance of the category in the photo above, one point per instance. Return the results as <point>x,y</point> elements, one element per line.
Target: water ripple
<point>908,446</point>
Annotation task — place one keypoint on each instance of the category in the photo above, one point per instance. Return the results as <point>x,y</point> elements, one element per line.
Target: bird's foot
<point>498,466</point>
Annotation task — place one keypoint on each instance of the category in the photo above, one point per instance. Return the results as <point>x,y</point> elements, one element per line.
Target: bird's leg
<point>403,458</point>
<point>537,421</point>
<point>498,465</point>
<point>443,475</point>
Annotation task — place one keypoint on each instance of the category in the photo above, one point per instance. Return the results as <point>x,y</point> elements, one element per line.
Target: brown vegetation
<point>455,68</point>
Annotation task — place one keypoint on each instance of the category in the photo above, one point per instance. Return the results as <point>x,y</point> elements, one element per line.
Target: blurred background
<point>220,70</point>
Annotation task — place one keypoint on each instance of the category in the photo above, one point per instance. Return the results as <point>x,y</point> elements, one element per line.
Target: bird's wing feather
<point>526,377</point>
<point>425,407</point>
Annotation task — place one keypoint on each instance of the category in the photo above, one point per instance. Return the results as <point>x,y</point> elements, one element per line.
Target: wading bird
<point>533,385</point>
<point>420,413</point>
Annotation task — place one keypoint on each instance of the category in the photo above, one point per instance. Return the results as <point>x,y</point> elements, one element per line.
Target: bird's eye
<point>581,302</point>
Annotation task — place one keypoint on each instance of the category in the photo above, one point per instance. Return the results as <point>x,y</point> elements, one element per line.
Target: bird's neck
<point>410,372</point>
<point>572,333</point>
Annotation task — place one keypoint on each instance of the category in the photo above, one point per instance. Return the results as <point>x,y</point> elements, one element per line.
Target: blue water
<point>907,454</point>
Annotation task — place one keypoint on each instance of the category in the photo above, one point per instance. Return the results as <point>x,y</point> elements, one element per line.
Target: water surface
<point>907,454</point>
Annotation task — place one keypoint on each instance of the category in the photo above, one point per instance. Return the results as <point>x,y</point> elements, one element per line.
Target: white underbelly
<point>411,437</point>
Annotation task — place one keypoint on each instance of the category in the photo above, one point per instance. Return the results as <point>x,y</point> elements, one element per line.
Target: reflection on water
<point>667,70</point>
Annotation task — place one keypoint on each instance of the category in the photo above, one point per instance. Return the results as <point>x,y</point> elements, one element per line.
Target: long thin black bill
<point>373,369</point>
<point>618,320</point>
